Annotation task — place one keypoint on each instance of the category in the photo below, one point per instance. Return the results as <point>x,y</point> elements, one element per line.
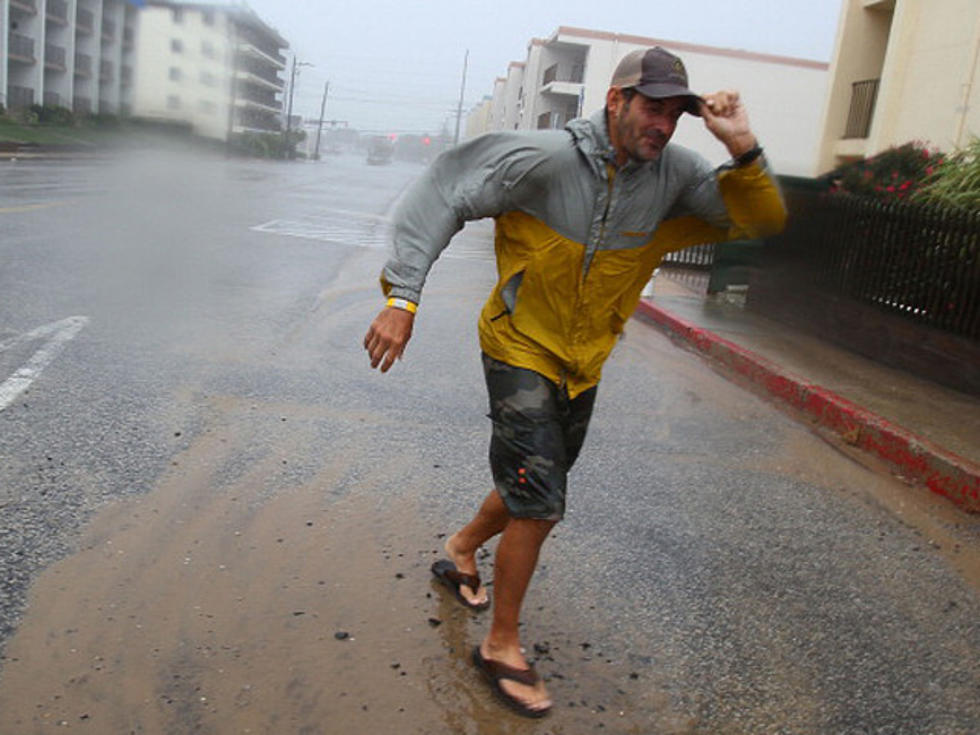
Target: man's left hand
<point>725,116</point>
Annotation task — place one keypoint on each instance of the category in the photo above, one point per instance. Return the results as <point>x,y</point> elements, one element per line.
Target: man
<point>583,216</point>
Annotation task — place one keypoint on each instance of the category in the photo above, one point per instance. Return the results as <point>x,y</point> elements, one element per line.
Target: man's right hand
<point>387,336</point>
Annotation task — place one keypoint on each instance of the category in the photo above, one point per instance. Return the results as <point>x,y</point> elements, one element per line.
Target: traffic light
<point>426,140</point>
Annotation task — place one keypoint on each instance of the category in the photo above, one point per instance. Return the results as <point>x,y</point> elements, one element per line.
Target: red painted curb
<point>917,459</point>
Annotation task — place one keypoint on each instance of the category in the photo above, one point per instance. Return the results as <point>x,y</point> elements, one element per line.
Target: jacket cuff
<point>399,292</point>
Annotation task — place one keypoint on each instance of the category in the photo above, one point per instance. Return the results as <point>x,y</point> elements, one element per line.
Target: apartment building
<point>902,71</point>
<point>69,53</point>
<point>215,68</point>
<point>567,75</point>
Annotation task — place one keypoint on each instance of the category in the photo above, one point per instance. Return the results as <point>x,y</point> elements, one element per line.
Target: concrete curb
<point>913,457</point>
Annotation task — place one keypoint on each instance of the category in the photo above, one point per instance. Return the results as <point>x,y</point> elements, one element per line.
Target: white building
<point>215,68</point>
<point>567,76</point>
<point>67,53</point>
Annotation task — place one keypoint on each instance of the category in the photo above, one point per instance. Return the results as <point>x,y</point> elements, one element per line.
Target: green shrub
<point>54,115</point>
<point>956,182</point>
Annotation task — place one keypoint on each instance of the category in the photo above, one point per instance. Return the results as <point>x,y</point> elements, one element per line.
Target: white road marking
<point>361,229</point>
<point>59,333</point>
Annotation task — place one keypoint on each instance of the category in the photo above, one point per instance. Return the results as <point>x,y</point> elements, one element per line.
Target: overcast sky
<point>396,65</point>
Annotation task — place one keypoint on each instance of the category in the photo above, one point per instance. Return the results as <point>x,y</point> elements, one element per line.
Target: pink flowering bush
<point>892,175</point>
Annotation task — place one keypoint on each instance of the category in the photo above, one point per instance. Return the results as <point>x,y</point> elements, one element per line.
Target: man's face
<point>641,126</point>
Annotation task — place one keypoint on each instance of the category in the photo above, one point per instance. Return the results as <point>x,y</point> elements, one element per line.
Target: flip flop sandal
<point>445,571</point>
<point>495,672</point>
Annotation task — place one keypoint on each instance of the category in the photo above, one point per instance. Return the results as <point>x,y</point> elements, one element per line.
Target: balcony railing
<point>129,36</point>
<point>52,99</point>
<point>57,10</point>
<point>126,75</point>
<point>20,96</point>
<point>28,6</point>
<point>859,117</point>
<point>83,65</point>
<point>105,71</point>
<point>108,29</point>
<point>54,56</point>
<point>85,21</point>
<point>21,47</point>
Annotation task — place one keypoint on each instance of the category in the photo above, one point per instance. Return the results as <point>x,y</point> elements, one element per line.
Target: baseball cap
<point>655,73</point>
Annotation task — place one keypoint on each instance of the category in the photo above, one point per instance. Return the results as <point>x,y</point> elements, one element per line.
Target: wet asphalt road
<point>721,569</point>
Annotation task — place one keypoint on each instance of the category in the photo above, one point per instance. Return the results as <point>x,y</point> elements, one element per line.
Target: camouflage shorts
<point>537,434</point>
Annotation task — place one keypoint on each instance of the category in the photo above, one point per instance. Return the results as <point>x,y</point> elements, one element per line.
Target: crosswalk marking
<point>361,229</point>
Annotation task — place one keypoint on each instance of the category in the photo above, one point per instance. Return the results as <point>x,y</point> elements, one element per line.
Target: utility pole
<point>319,125</point>
<point>289,106</point>
<point>462,90</point>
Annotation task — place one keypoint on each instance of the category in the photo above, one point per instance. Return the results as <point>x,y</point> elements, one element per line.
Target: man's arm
<point>751,196</point>
<point>471,181</point>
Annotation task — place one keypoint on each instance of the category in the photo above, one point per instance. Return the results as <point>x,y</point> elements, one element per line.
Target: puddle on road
<point>217,607</point>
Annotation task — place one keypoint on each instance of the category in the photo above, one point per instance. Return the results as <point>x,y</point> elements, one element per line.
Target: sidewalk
<point>927,433</point>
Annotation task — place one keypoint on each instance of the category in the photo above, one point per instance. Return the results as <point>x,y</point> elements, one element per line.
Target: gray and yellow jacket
<point>576,237</point>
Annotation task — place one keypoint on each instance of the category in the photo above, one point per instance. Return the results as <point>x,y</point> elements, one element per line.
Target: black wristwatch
<point>746,158</point>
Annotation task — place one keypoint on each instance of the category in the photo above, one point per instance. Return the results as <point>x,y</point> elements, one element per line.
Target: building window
<point>175,75</point>
<point>176,45</point>
<point>178,15</point>
<point>208,107</point>
<point>208,17</point>
<point>173,102</point>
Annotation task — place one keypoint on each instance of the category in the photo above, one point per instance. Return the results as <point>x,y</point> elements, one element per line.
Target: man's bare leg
<point>517,557</point>
<point>490,519</point>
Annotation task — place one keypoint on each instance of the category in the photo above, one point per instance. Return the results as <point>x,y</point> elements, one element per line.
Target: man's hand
<point>387,336</point>
<point>725,116</point>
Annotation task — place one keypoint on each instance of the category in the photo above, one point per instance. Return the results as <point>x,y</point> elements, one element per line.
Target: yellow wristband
<point>402,304</point>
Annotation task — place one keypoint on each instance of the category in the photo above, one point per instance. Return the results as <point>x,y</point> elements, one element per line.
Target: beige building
<point>567,75</point>
<point>903,70</point>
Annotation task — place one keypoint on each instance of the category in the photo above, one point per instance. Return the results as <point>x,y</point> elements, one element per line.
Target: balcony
<point>859,117</point>
<point>250,67</point>
<point>54,57</point>
<point>126,75</point>
<point>57,11</point>
<point>106,71</point>
<point>19,97</point>
<point>52,99</point>
<point>85,22</point>
<point>83,65</point>
<point>81,105</point>
<point>21,48</point>
<point>129,37</point>
<point>563,82</point>
<point>108,30</point>
<point>253,97</point>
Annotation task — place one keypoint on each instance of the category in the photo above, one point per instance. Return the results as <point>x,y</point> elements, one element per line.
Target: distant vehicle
<point>380,151</point>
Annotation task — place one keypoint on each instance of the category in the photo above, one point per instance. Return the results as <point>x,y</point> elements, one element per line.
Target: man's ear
<point>614,100</point>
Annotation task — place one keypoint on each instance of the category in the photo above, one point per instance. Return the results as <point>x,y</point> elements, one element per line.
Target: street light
<point>289,108</point>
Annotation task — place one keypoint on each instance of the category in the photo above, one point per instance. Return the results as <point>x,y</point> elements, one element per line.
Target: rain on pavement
<point>214,518</point>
